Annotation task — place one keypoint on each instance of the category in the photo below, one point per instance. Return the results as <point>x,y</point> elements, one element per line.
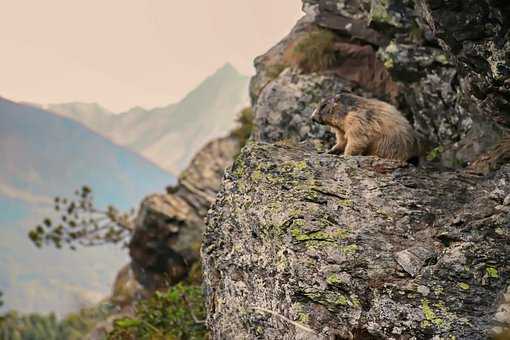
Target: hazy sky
<point>122,53</point>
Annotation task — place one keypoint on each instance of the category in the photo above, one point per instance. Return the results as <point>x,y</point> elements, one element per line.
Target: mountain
<point>44,155</point>
<point>169,136</point>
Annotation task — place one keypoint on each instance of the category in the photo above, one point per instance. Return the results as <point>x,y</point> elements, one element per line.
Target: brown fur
<point>367,127</point>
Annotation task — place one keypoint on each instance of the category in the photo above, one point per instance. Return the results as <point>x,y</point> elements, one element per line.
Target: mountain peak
<point>227,68</point>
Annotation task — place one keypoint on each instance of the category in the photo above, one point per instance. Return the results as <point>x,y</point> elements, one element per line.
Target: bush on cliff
<point>245,125</point>
<point>175,314</point>
<point>315,52</point>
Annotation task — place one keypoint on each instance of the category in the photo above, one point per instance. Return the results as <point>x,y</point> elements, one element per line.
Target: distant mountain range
<point>169,136</point>
<point>43,155</point>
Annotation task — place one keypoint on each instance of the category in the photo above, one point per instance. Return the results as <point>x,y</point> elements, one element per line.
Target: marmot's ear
<point>349,100</point>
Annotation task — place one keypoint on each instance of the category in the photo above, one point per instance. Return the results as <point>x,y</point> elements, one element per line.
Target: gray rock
<point>413,260</point>
<point>285,106</point>
<point>312,239</point>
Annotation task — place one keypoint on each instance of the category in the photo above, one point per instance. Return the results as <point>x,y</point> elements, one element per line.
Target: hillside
<point>44,155</point>
<point>170,135</point>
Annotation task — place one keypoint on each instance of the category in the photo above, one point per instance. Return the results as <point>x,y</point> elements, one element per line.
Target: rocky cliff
<point>355,247</point>
<point>301,245</point>
<point>443,63</point>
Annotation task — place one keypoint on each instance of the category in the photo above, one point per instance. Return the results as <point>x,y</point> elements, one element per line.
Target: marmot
<point>367,127</point>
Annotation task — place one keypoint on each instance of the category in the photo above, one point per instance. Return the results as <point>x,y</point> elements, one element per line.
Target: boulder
<point>169,227</point>
<point>302,245</point>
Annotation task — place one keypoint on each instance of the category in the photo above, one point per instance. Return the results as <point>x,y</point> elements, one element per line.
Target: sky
<point>126,53</point>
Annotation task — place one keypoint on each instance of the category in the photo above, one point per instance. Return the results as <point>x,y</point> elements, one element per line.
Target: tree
<point>82,223</point>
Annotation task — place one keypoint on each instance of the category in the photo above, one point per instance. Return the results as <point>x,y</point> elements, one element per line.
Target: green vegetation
<point>492,272</point>
<point>246,124</point>
<point>316,52</point>
<point>464,286</point>
<point>82,223</point>
<point>48,327</point>
<point>178,313</point>
<point>379,14</point>
<point>435,153</point>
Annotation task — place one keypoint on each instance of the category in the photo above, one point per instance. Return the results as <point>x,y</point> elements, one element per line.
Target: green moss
<point>388,55</point>
<point>427,311</point>
<point>389,63</point>
<point>238,169</point>
<point>303,318</point>
<point>296,230</point>
<point>257,176</point>
<point>346,203</point>
<point>442,59</point>
<point>331,300</point>
<point>439,317</point>
<point>241,185</point>
<point>342,300</point>
<point>314,236</point>
<point>300,165</point>
<point>435,153</point>
<point>492,272</point>
<point>464,286</point>
<point>295,212</point>
<point>312,196</point>
<point>379,13</point>
<point>350,249</point>
<point>334,279</point>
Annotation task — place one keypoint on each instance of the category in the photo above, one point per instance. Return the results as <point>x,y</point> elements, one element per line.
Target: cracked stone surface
<point>355,247</point>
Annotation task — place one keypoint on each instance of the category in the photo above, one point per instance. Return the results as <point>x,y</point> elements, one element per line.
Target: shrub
<point>316,51</point>
<point>245,128</point>
<point>175,314</point>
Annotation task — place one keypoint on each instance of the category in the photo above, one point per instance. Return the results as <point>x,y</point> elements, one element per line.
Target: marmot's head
<point>333,108</point>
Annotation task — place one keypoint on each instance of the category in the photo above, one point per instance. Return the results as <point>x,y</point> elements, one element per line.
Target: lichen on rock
<point>282,238</point>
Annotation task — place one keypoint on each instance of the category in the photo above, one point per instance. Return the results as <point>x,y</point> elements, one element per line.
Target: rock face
<point>477,34</point>
<point>169,227</point>
<point>301,245</point>
<point>284,108</point>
